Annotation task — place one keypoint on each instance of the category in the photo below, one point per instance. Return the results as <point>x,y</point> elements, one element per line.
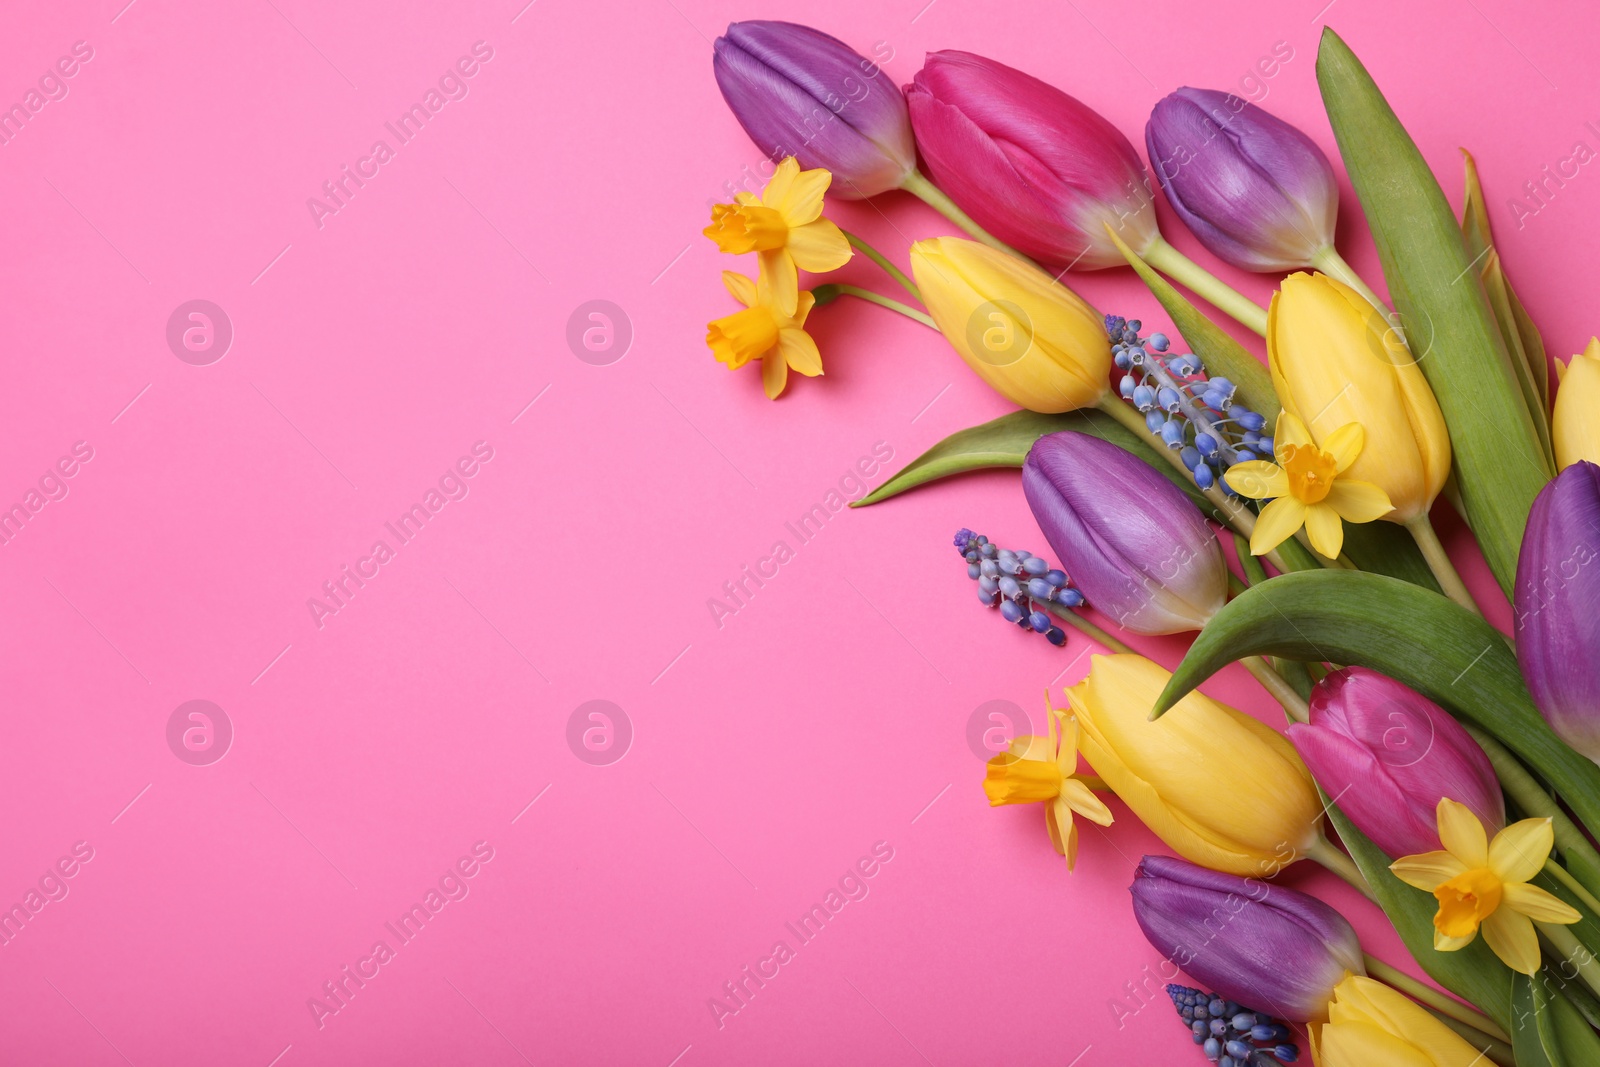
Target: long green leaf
<point>1499,464</point>
<point>1437,647</point>
<point>1547,1030</point>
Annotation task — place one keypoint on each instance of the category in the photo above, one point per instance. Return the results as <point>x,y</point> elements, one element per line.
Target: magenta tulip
<point>1034,167</point>
<point>1387,755</point>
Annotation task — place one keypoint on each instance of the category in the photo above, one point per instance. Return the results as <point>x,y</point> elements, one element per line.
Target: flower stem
<point>1185,271</point>
<point>921,188</point>
<point>1421,530</point>
<point>828,293</point>
<point>1434,999</point>
<point>1094,782</point>
<point>1330,262</point>
<point>1560,874</point>
<point>1294,705</point>
<point>883,261</point>
<point>1072,618</point>
<point>1324,852</point>
<point>1563,941</point>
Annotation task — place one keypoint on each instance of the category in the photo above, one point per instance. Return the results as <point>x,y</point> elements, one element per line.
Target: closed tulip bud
<point>1246,940</point>
<point>1558,588</point>
<point>1136,546</point>
<point>1033,340</point>
<point>1575,426</point>
<point>1389,754</point>
<point>1335,361</point>
<point>1371,1024</point>
<point>1033,166</point>
<point>1221,789</point>
<point>799,92</point>
<point>1257,192</point>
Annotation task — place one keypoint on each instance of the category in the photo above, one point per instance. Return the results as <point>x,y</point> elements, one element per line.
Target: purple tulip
<point>1138,548</point>
<point>1256,191</point>
<point>1030,164</point>
<point>1387,755</point>
<point>1558,606</point>
<point>1251,942</point>
<point>798,92</point>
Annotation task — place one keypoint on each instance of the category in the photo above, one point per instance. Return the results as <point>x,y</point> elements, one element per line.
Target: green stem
<point>1294,705</point>
<point>1324,852</point>
<point>827,293</point>
<point>1421,531</point>
<point>1563,941</point>
<point>1494,1051</point>
<point>883,261</point>
<point>1094,782</point>
<point>1254,573</point>
<point>1561,874</point>
<point>930,194</point>
<point>1330,262</point>
<point>1186,272</point>
<point>1072,618</point>
<point>1426,994</point>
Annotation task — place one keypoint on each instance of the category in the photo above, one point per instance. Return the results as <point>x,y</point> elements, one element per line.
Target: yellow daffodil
<point>784,225</point>
<point>1308,487</point>
<point>1370,1024</point>
<point>1575,424</point>
<point>1042,770</point>
<point>763,332</point>
<point>1480,883</point>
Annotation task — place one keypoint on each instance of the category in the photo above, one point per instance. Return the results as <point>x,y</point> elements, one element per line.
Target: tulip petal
<point>742,288</point>
<point>774,374</point>
<point>1277,522</point>
<point>1290,430</point>
<point>1463,835</point>
<point>779,282</point>
<point>1345,445</point>
<point>1427,871</point>
<point>1512,937</point>
<point>1325,529</point>
<point>1366,1043</point>
<point>819,246</point>
<point>1081,799</point>
<point>801,201</point>
<point>1519,851</point>
<point>1537,904</point>
<point>1258,479</point>
<point>800,351</point>
<point>1358,501</point>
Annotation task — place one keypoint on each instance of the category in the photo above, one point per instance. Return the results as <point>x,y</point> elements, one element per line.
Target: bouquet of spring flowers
<point>1456,765</point>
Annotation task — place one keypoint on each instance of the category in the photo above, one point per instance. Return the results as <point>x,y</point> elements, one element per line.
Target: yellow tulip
<point>1036,342</point>
<point>1335,362</point>
<point>1371,1024</point>
<point>1576,426</point>
<point>1221,789</point>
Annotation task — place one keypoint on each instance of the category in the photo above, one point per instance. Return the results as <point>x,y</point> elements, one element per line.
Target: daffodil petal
<point>1358,501</point>
<point>1277,522</point>
<point>774,374</point>
<point>741,288</point>
<point>1452,944</point>
<point>1067,746</point>
<point>1538,905</point>
<point>1519,851</point>
<point>782,180</point>
<point>779,284</point>
<point>803,306</point>
<point>800,350</point>
<point>746,198</point>
<point>1072,846</point>
<point>1058,820</point>
<point>801,201</point>
<point>1257,479</point>
<point>819,246</point>
<point>1513,939</point>
<point>1428,870</point>
<point>1325,529</point>
<point>1081,799</point>
<point>1345,445</point>
<point>1032,746</point>
<point>1462,835</point>
<point>1290,431</point>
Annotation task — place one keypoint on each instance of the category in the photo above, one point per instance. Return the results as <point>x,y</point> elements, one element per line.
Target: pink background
<point>769,753</point>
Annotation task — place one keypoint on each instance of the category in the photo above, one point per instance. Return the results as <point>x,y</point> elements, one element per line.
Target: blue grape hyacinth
<point>1231,1035</point>
<point>1023,586</point>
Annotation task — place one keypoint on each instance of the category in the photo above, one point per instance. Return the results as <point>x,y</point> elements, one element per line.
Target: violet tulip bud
<point>1249,941</point>
<point>1036,168</point>
<point>1388,755</point>
<point>799,92</point>
<point>1257,192</point>
<point>1558,588</point>
<point>1138,548</point>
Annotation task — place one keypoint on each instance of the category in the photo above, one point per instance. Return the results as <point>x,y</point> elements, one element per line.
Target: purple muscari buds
<point>1252,1038</point>
<point>1252,942</point>
<point>799,92</point>
<point>1023,586</point>
<point>1256,191</point>
<point>1388,755</point>
<point>1035,167</point>
<point>1139,550</point>
<point>1558,606</point>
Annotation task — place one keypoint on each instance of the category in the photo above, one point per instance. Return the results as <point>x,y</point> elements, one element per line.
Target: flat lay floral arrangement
<point>1279,513</point>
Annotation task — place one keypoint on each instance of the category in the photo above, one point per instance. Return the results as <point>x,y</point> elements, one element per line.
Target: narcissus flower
<point>1308,488</point>
<point>762,331</point>
<point>1042,770</point>
<point>1576,420</point>
<point>1484,884</point>
<point>784,225</point>
<point>1371,1024</point>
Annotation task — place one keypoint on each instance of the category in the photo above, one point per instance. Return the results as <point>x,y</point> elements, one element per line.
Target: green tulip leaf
<point>1500,465</point>
<point>1547,1030</point>
<point>1437,647</point>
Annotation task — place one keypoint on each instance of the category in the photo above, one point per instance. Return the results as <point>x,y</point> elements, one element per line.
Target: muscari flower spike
<point>1023,586</point>
<point>1231,1035</point>
<point>1192,413</point>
